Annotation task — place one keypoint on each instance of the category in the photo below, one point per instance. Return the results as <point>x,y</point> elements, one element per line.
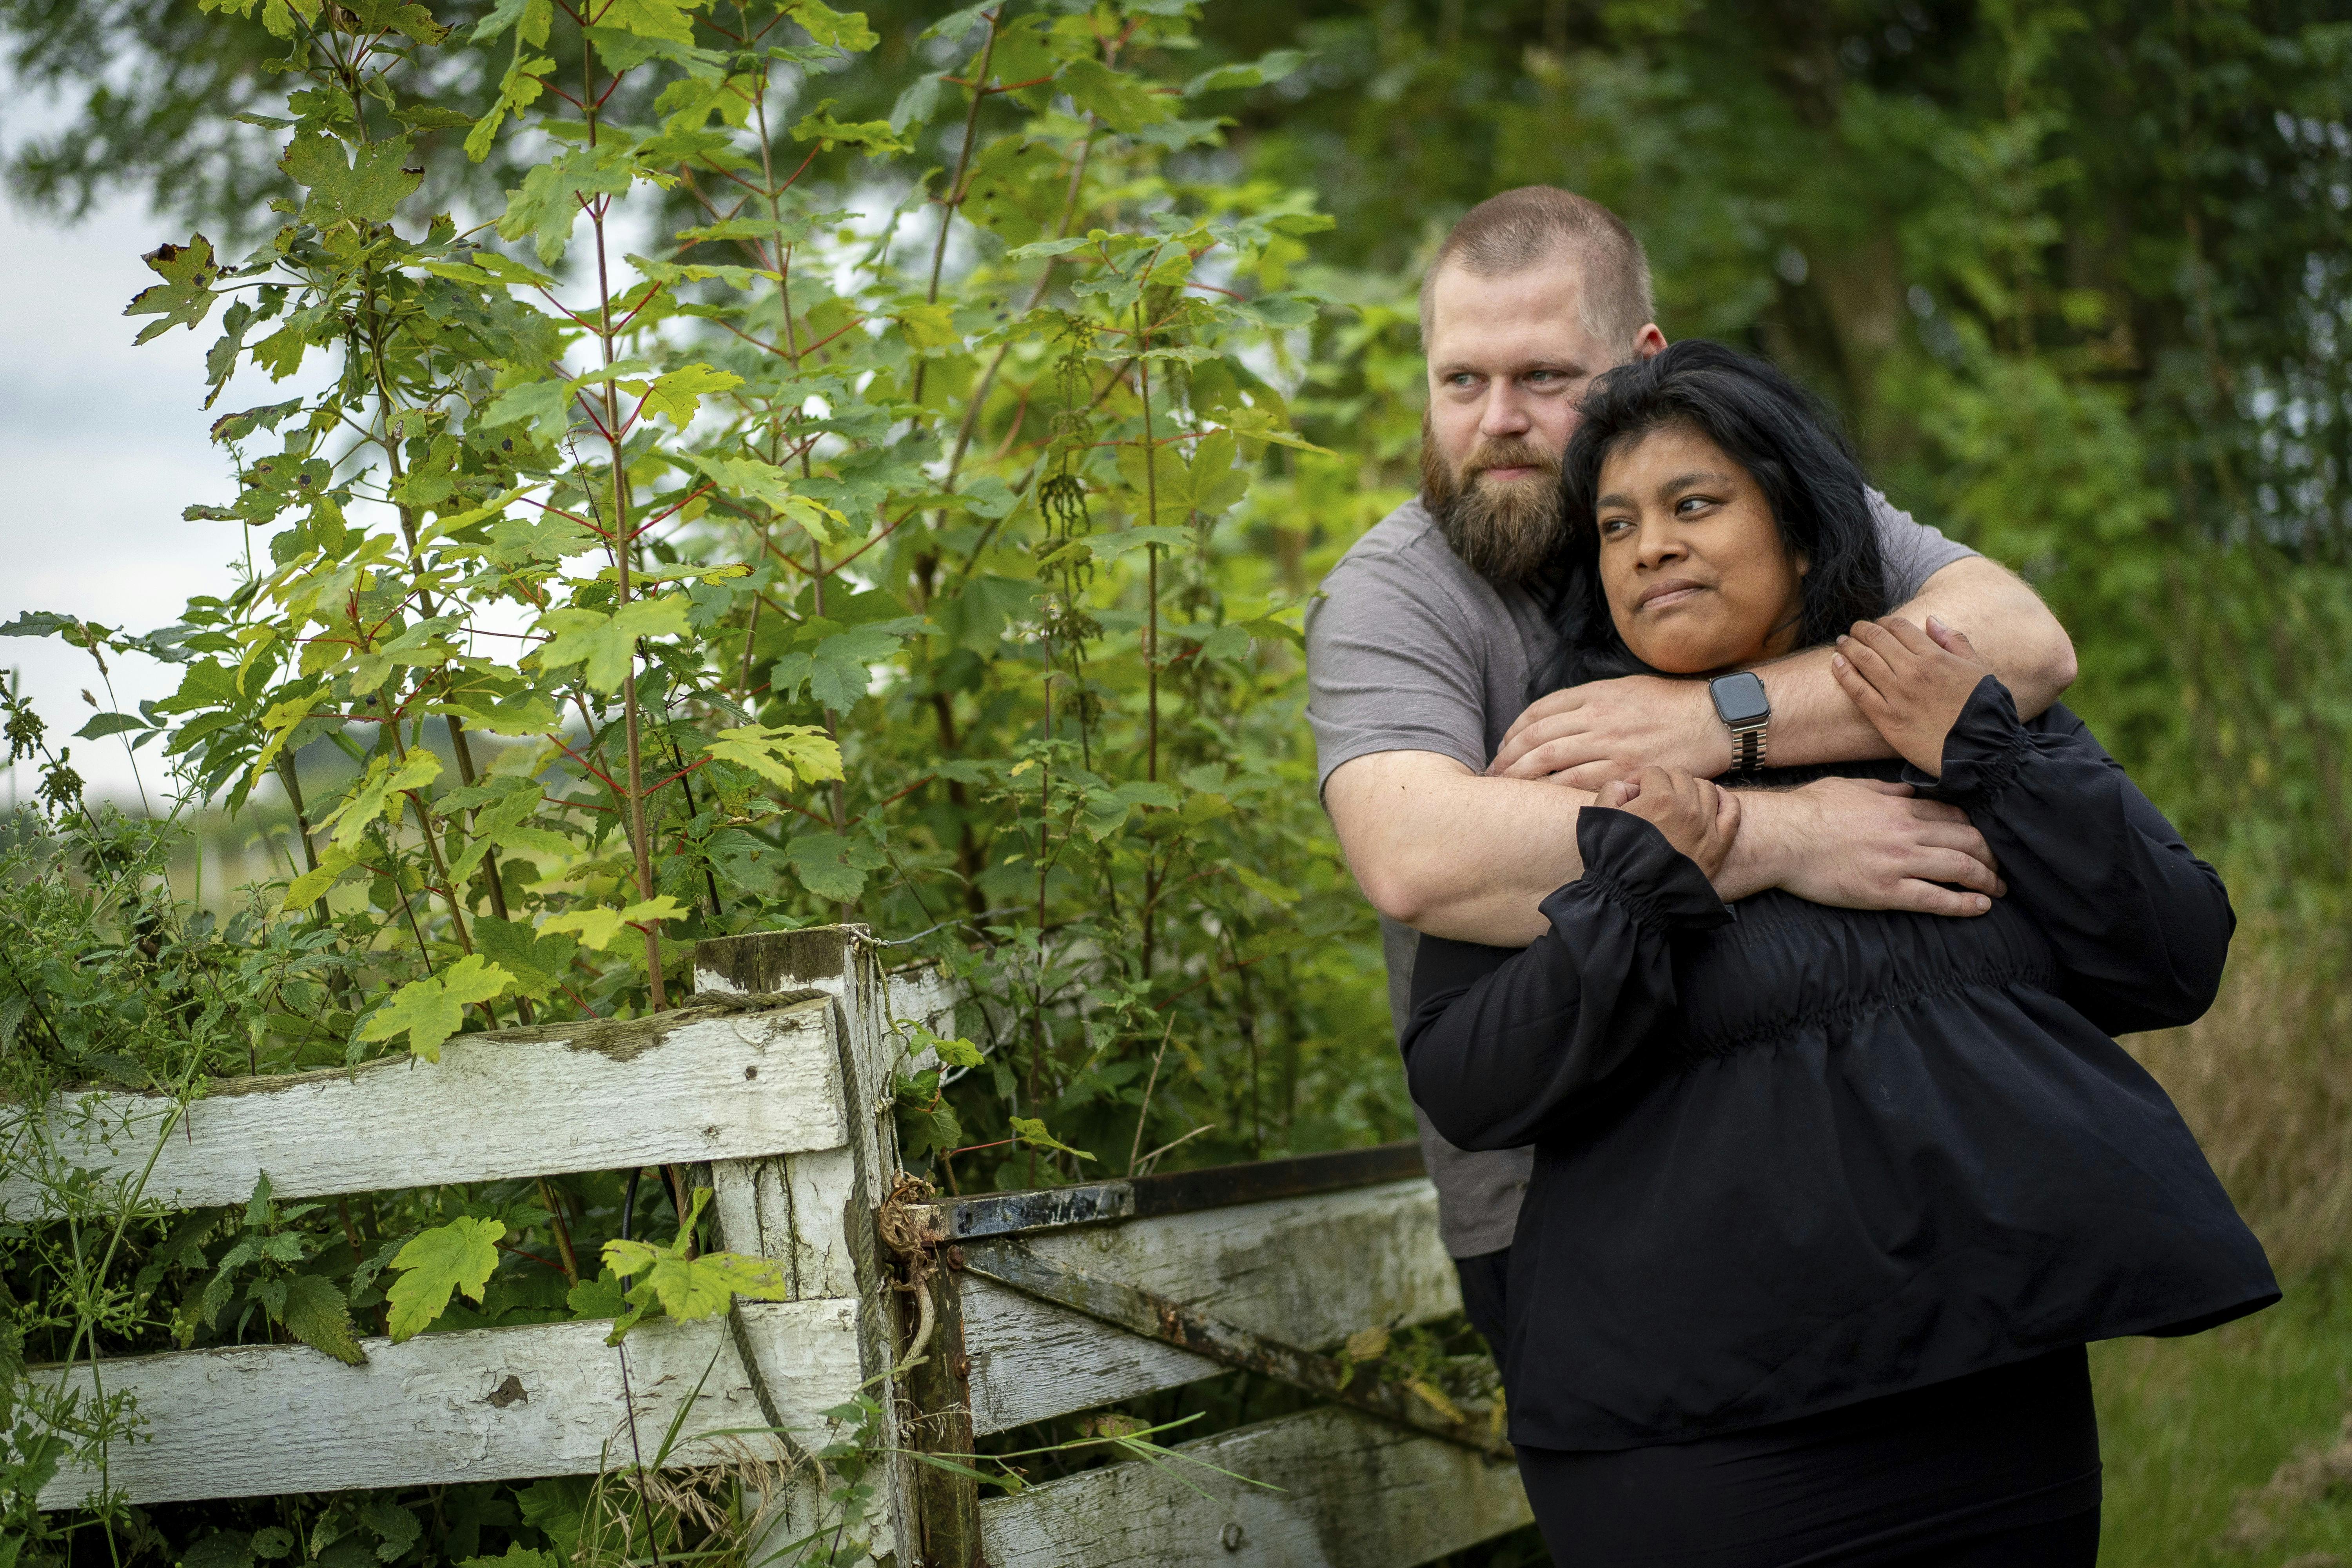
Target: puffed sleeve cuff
<point>1628,862</point>
<point>1982,753</point>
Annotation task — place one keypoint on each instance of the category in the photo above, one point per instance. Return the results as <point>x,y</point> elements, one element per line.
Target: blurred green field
<point>2193,1431</point>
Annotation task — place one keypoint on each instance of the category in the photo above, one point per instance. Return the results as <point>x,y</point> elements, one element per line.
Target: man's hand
<point>1587,735</point>
<point>1698,819</point>
<point>1860,844</point>
<point>1910,684</point>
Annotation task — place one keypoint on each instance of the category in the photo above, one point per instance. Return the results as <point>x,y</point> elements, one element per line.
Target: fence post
<point>816,1211</point>
<point>938,1389</point>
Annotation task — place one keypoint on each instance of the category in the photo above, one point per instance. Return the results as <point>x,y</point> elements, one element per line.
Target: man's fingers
<point>1937,811</point>
<point>1613,793</point>
<point>1531,734</point>
<point>1550,705</point>
<point>1967,841</point>
<point>1954,866</point>
<point>1927,899</point>
<point>1537,758</point>
<point>1586,775</point>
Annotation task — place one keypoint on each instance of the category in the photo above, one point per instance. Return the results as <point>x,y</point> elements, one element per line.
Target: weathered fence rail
<point>776,1075</point>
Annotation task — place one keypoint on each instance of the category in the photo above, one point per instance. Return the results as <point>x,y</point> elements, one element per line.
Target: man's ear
<point>1649,343</point>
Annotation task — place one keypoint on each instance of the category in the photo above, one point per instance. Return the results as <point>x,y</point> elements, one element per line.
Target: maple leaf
<point>431,1009</point>
<point>364,189</point>
<point>459,1255</point>
<point>781,753</point>
<point>841,29</point>
<point>550,201</point>
<point>677,395</point>
<point>839,668</point>
<point>688,1288</point>
<point>651,18</point>
<point>185,296</point>
<point>1031,1130</point>
<point>598,927</point>
<point>604,644</point>
<point>379,794</point>
<point>537,961</point>
<point>311,886</point>
<point>871,137</point>
<point>833,867</point>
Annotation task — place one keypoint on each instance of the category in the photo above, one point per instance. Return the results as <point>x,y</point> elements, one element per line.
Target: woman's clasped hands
<point>1698,818</point>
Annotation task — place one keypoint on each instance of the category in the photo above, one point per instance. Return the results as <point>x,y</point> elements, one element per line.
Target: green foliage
<point>456,1256</point>
<point>918,532</point>
<point>685,1284</point>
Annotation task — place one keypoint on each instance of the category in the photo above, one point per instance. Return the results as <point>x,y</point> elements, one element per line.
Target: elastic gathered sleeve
<point>2141,926</point>
<point>1505,1046</point>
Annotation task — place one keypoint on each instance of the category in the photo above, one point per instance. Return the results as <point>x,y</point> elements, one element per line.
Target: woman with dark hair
<point>1826,1202</point>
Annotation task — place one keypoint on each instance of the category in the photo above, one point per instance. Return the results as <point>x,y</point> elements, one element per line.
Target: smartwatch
<point>1746,712</point>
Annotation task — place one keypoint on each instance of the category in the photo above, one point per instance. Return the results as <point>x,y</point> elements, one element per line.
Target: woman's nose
<point>1660,546</point>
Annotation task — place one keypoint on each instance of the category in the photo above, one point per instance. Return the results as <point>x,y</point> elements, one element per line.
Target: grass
<point>2194,1430</point>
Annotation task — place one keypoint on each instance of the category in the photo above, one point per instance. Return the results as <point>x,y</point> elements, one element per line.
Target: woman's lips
<point>1662,596</point>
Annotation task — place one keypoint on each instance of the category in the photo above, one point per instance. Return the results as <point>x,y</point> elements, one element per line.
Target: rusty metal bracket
<point>1012,1264</point>
<point>1179,1192</point>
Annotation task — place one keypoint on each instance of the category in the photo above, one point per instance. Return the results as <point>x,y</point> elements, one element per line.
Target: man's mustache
<point>1509,452</point>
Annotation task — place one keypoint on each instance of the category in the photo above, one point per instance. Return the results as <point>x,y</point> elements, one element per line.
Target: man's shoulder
<point>1409,535</point>
<point>1405,553</point>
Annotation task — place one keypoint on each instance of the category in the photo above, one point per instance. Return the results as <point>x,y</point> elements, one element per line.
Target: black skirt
<point>2010,1453</point>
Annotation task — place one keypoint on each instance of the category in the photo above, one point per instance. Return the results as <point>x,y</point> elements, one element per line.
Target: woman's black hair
<point>1789,445</point>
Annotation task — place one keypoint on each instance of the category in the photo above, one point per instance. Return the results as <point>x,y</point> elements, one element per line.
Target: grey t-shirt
<point>1409,651</point>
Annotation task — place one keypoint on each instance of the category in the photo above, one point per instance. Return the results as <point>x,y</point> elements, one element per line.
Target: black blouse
<point>1788,1157</point>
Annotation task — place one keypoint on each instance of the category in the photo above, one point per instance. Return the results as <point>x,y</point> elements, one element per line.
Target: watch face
<point>1739,699</point>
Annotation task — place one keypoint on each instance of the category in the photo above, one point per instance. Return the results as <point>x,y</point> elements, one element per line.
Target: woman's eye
<point>1612,526</point>
<point>1690,504</point>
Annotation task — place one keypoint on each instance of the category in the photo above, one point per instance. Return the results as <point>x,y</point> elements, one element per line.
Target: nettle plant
<point>767,518</point>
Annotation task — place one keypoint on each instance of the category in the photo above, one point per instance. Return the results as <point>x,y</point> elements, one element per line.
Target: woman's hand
<point>1697,818</point>
<point>1910,684</point>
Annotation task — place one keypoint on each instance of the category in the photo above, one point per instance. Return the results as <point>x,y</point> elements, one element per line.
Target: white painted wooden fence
<point>783,1091</point>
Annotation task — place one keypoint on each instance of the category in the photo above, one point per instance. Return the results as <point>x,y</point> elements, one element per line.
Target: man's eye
<point>1461,378</point>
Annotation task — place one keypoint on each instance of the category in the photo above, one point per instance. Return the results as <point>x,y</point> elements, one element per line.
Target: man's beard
<point>1507,533</point>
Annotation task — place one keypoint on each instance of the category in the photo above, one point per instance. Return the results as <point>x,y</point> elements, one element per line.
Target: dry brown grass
<point>2266,1080</point>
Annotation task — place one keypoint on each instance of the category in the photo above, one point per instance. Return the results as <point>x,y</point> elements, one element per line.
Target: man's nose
<point>1506,410</point>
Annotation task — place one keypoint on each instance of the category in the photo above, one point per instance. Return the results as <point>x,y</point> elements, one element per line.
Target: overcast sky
<point>103,444</point>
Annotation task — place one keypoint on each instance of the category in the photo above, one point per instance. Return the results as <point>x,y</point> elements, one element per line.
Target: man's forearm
<point>1451,852</point>
<point>1813,720</point>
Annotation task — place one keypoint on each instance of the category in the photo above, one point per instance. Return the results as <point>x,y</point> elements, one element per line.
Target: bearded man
<point>1454,779</point>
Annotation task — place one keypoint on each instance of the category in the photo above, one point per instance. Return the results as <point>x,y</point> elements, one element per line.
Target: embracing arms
<point>1453,853</point>
<point>1588,734</point>
<point>2140,925</point>
<point>1505,1046</point>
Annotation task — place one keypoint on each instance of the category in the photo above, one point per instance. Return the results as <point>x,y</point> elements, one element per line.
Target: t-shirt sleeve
<point>1913,551</point>
<point>1392,665</point>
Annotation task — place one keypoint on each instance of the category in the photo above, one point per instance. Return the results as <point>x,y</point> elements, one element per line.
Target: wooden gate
<point>776,1075</point>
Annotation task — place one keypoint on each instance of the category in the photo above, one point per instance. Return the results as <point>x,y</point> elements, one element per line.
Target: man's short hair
<point>1533,224</point>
